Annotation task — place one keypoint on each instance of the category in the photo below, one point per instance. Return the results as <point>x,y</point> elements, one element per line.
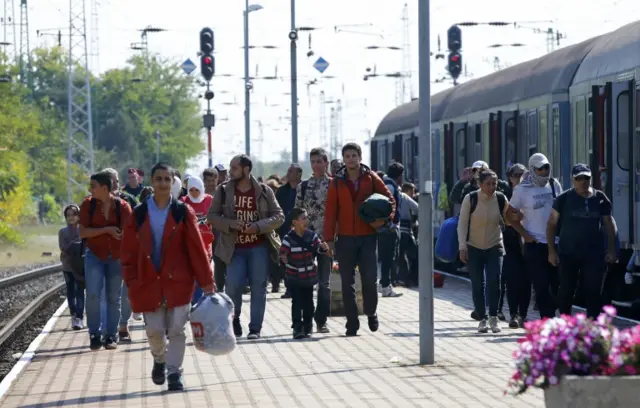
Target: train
<point>578,104</point>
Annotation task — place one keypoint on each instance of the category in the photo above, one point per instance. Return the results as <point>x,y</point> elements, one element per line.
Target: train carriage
<point>576,104</point>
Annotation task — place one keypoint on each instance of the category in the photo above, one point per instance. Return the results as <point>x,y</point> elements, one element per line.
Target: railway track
<point>24,294</point>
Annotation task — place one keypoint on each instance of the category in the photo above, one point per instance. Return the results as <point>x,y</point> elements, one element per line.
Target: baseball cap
<point>580,170</point>
<point>220,167</point>
<point>479,165</point>
<point>538,160</point>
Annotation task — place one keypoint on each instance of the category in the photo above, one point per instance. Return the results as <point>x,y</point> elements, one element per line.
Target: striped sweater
<point>301,252</point>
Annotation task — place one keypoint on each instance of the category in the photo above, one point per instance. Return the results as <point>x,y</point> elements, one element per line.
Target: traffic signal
<point>455,64</point>
<point>206,41</point>
<point>207,66</point>
<point>454,38</point>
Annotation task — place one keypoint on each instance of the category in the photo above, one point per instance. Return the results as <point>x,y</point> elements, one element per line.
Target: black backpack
<point>76,250</point>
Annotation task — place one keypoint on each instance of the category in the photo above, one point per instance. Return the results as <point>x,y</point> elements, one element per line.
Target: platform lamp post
<point>427,349</point>
<point>248,86</point>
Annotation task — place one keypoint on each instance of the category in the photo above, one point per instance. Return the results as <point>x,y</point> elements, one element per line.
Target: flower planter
<point>594,392</point>
<point>337,306</point>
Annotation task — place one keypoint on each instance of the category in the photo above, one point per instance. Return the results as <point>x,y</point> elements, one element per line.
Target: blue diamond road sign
<point>188,66</point>
<point>321,65</point>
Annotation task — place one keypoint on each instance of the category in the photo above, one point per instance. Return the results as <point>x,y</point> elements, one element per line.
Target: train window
<point>555,138</point>
<point>580,147</point>
<point>461,149</point>
<point>532,133</point>
<point>511,137</point>
<point>623,130</point>
<point>486,142</point>
<point>542,131</point>
<point>382,155</point>
<point>477,150</point>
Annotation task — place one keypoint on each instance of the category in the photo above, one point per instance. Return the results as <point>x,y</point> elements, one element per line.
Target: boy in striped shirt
<point>298,252</point>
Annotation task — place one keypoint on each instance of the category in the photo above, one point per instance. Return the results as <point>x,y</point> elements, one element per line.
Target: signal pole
<point>208,69</point>
<point>427,349</point>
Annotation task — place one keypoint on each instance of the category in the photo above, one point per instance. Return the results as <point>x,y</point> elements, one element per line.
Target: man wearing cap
<point>222,173</point>
<point>533,198</point>
<point>583,216</point>
<point>469,183</point>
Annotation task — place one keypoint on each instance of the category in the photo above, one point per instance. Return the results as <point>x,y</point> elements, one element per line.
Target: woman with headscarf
<point>197,199</point>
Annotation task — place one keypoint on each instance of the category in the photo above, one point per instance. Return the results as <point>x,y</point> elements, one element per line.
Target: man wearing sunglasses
<point>533,199</point>
<point>583,216</point>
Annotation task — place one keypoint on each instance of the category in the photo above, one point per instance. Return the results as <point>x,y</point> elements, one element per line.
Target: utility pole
<point>407,86</point>
<point>427,349</point>
<point>95,36</point>
<point>248,85</point>
<point>293,37</point>
<point>80,143</point>
<point>208,69</point>
<point>24,56</point>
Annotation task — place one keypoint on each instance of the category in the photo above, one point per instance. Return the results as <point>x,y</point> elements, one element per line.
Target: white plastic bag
<point>211,324</point>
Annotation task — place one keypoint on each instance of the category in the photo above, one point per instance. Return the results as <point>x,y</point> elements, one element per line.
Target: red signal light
<point>455,58</point>
<point>207,60</point>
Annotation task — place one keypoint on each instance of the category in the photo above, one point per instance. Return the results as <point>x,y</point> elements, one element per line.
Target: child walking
<point>68,237</point>
<point>298,252</point>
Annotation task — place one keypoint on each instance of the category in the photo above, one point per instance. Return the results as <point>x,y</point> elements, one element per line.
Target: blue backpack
<point>447,242</point>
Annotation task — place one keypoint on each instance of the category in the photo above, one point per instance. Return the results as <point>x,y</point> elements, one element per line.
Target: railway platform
<point>372,370</point>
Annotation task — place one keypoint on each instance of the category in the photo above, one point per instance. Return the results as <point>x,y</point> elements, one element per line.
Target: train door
<point>620,149</point>
<point>396,151</point>
<point>598,146</point>
<point>460,148</point>
<point>509,139</point>
<point>495,143</point>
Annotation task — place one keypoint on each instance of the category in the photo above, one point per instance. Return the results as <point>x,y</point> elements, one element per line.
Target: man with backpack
<point>162,256</point>
<point>102,217</point>
<point>532,201</point>
<point>355,240</point>
<point>312,196</point>
<point>587,241</point>
<point>247,215</point>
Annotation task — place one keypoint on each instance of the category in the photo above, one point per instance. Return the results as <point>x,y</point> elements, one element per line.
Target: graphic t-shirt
<point>535,203</point>
<point>247,211</point>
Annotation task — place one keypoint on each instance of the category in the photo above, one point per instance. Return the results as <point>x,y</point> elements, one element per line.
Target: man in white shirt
<point>533,198</point>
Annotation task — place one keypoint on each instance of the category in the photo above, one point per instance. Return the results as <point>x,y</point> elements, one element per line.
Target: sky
<point>360,24</point>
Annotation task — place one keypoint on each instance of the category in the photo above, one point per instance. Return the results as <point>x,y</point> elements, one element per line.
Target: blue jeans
<point>250,264</point>
<point>103,311</point>
<point>75,295</point>
<point>101,274</point>
<point>481,261</point>
<point>388,245</point>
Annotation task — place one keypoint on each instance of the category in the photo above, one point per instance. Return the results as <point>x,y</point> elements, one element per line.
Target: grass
<point>40,246</point>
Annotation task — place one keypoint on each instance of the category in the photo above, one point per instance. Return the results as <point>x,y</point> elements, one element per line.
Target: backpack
<point>473,198</point>
<point>447,243</point>
<point>178,212</point>
<point>76,250</point>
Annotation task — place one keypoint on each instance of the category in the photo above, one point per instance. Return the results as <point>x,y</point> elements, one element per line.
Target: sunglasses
<point>545,167</point>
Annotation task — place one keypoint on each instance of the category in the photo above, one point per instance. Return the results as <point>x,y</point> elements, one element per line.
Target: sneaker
<point>124,336</point>
<point>158,373</point>
<point>175,382</point>
<point>298,333</point>
<point>76,323</point>
<point>111,343</point>
<point>237,327</point>
<point>95,342</point>
<point>482,327</point>
<point>253,335</point>
<point>137,316</point>
<point>475,316</point>
<point>374,323</point>
<point>514,323</point>
<point>501,317</point>
<point>493,323</point>
<point>322,328</point>
<point>389,292</point>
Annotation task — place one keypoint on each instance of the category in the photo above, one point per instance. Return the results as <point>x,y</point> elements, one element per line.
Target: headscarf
<point>176,188</point>
<point>531,178</point>
<point>195,182</point>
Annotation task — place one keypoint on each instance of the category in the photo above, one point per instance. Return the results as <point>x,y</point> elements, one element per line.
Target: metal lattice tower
<point>323,121</point>
<point>9,38</point>
<point>80,148</point>
<point>95,37</point>
<point>24,57</point>
<point>407,85</point>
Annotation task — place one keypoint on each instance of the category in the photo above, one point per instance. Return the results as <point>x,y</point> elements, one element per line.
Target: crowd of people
<point>152,251</point>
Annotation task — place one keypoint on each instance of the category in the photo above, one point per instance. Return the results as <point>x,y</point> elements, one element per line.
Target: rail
<point>29,275</point>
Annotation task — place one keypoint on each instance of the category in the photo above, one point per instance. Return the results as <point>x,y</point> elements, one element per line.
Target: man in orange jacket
<point>355,241</point>
<point>162,256</point>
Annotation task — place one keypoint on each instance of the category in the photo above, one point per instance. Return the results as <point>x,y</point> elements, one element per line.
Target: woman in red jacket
<point>200,202</point>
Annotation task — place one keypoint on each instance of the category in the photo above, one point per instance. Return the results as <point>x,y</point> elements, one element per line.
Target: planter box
<point>337,307</point>
<point>594,392</point>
